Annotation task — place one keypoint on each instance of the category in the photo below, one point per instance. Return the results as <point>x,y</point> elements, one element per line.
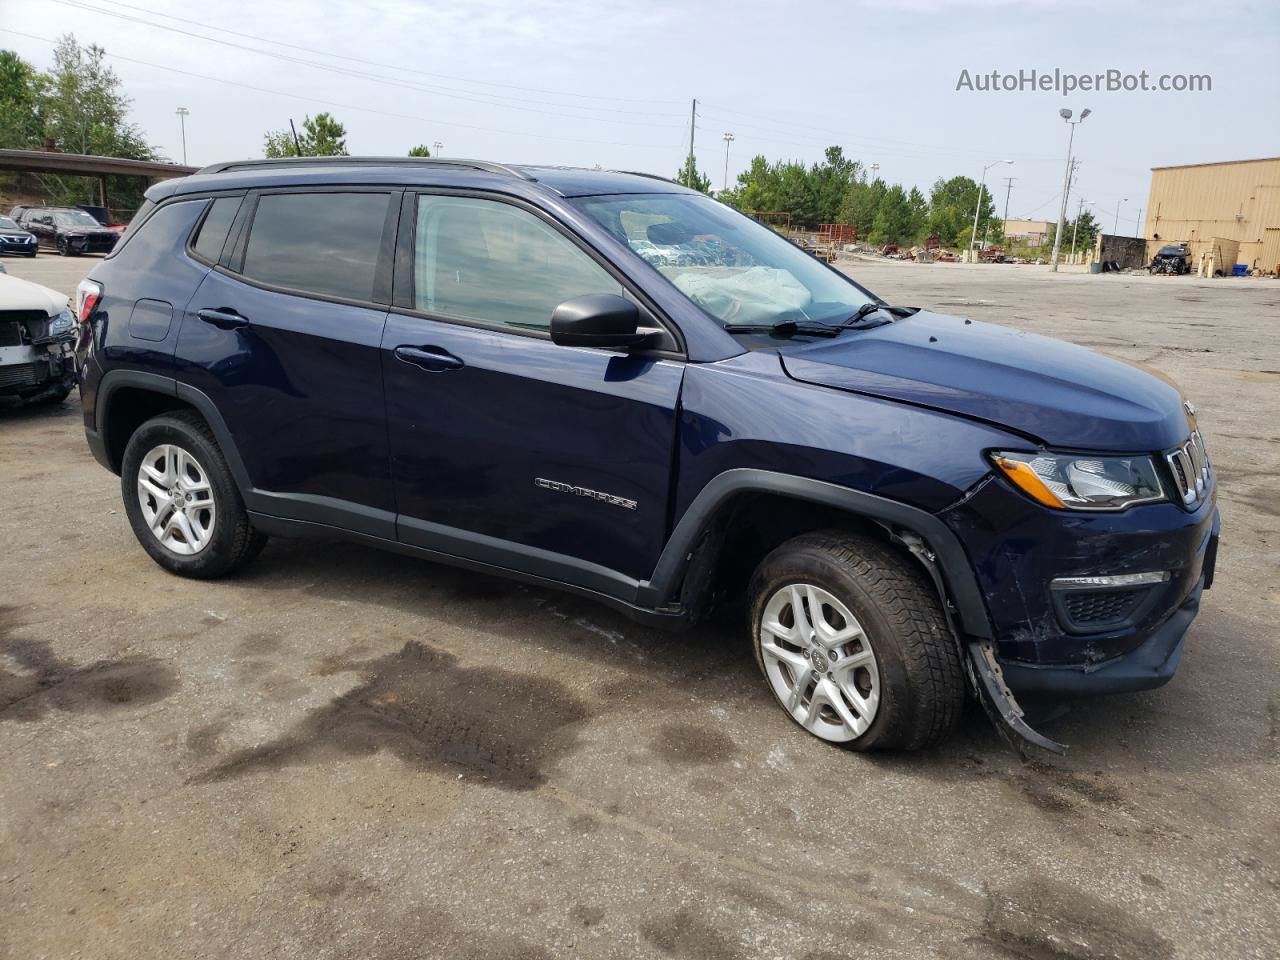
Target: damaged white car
<point>37,340</point>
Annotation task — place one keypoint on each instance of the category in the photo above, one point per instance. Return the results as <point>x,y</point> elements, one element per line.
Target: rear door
<point>506,447</point>
<point>283,336</point>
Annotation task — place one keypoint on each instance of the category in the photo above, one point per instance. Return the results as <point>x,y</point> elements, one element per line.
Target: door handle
<point>432,359</point>
<point>224,318</point>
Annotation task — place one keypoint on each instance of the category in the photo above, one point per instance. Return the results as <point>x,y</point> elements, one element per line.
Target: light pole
<point>1116,227</point>
<point>183,113</point>
<point>1065,114</point>
<point>437,146</point>
<point>875,172</point>
<point>982,185</point>
<point>728,138</point>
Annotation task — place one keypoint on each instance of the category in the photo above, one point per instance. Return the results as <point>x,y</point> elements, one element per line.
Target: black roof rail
<point>485,165</point>
<point>651,176</point>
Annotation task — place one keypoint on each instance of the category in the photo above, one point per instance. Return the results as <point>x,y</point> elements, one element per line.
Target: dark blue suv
<point>609,384</point>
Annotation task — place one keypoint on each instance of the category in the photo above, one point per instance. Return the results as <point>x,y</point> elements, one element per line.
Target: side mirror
<point>605,320</point>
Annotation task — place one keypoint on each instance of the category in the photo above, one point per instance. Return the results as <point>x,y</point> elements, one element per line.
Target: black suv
<point>69,231</point>
<point>609,384</point>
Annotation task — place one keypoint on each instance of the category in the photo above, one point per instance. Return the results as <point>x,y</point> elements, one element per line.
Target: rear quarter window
<point>157,237</point>
<point>212,232</point>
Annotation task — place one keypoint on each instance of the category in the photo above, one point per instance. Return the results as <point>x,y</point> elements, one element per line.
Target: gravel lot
<point>344,753</point>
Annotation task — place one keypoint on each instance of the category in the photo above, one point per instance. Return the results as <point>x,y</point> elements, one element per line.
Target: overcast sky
<point>610,82</point>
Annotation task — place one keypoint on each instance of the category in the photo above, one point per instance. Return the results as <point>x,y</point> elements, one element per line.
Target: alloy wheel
<point>819,662</point>
<point>177,499</point>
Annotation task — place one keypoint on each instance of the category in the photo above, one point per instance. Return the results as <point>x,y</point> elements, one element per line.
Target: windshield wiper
<point>876,306</point>
<point>786,328</point>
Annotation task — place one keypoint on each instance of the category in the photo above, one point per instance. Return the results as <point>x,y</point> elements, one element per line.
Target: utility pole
<point>875,172</point>
<point>1075,226</point>
<point>982,185</point>
<point>1141,232</point>
<point>728,138</point>
<point>297,146</point>
<point>1065,114</point>
<point>183,113</point>
<point>1008,189</point>
<point>437,146</point>
<point>1115,229</point>
<point>693,122</point>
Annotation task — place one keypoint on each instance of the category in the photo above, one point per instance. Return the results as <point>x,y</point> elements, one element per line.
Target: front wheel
<point>854,645</point>
<point>182,501</point>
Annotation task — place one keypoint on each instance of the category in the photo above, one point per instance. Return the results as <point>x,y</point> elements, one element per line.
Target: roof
<point>1218,163</point>
<point>85,165</point>
<point>428,171</point>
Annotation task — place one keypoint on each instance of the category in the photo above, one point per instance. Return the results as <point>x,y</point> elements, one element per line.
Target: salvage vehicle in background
<point>37,338</point>
<point>1172,258</point>
<point>609,384</point>
<point>15,240</point>
<point>69,231</point>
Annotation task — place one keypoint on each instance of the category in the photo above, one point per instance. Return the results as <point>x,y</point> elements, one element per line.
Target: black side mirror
<point>604,320</point>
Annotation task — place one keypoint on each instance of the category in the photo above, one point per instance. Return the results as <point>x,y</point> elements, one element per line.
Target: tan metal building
<point>1033,232</point>
<point>1228,211</point>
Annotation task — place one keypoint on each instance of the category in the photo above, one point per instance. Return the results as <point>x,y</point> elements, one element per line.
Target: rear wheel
<point>854,645</point>
<point>181,499</point>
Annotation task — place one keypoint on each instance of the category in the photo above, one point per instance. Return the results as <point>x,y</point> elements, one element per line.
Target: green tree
<point>756,188</point>
<point>80,106</point>
<point>691,177</point>
<point>862,203</point>
<point>20,123</point>
<point>321,136</point>
<point>919,208</point>
<point>420,151</point>
<point>893,222</point>
<point>951,207</point>
<point>1085,228</point>
<point>831,180</point>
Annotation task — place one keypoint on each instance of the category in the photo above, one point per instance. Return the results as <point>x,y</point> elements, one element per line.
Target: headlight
<point>1082,481</point>
<point>62,323</point>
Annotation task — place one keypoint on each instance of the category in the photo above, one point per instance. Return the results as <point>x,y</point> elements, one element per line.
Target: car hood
<point>1055,392</point>
<point>17,294</point>
<point>14,232</point>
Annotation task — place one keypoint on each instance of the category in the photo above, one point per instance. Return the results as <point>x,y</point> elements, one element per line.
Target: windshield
<point>741,273</point>
<point>75,218</point>
<point>7,224</point>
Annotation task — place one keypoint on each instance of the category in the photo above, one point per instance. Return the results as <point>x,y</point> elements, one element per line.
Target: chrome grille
<point>1189,465</point>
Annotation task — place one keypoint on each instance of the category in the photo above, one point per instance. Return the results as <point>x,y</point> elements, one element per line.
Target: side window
<point>324,243</point>
<point>159,236</point>
<point>486,260</point>
<point>213,230</point>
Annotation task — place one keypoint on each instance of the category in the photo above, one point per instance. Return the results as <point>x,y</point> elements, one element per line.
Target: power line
<point>374,63</point>
<point>492,100</point>
<point>351,106</point>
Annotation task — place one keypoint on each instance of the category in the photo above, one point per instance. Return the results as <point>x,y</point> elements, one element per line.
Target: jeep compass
<point>609,384</point>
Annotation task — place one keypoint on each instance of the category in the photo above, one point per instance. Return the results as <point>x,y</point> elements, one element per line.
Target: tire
<point>217,537</point>
<point>898,676</point>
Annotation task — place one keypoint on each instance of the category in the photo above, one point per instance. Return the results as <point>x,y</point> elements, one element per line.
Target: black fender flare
<point>306,507</point>
<point>948,555</point>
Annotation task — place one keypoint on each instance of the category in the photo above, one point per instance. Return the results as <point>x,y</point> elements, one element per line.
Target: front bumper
<point>1019,548</point>
<point>20,245</point>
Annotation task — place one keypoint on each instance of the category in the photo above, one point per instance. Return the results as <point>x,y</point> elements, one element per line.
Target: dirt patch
<point>684,934</point>
<point>428,711</point>
<point>47,682</point>
<point>1046,920</point>
<point>687,743</point>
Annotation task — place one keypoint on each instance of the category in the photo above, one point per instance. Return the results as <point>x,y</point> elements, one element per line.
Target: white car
<point>37,341</point>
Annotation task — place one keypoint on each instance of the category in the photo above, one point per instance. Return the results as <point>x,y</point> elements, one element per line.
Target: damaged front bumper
<point>33,370</point>
<point>1051,644</point>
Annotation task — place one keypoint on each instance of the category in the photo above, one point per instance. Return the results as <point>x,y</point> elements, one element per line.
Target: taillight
<point>88,293</point>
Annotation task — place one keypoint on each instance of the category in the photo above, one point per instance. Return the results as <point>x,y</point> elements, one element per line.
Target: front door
<point>506,447</point>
